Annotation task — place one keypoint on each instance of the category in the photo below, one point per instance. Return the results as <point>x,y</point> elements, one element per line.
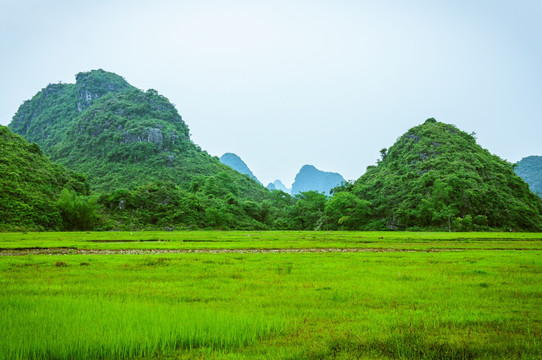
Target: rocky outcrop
<point>96,83</point>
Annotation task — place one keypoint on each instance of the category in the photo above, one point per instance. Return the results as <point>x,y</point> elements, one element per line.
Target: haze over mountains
<point>278,185</point>
<point>308,178</point>
<point>235,162</point>
<point>530,170</point>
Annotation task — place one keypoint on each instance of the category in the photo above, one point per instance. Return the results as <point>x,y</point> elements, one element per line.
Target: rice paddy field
<point>270,295</point>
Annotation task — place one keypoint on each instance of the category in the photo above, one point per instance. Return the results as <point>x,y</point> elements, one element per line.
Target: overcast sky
<point>288,83</point>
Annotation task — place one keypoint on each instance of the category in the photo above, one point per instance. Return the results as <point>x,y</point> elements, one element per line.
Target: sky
<point>285,83</point>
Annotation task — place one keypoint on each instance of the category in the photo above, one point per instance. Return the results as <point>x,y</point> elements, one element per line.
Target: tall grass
<point>471,304</point>
<point>75,328</point>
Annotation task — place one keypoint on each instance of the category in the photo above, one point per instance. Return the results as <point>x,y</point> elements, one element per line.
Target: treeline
<point>212,203</point>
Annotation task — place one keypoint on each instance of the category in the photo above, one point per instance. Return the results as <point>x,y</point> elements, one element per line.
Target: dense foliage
<point>436,176</point>
<point>530,170</point>
<point>31,184</point>
<point>210,202</point>
<point>145,172</point>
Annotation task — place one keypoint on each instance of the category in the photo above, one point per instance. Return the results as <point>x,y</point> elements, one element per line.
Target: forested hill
<point>530,170</point>
<point>31,185</point>
<point>119,136</point>
<point>46,117</point>
<point>435,174</point>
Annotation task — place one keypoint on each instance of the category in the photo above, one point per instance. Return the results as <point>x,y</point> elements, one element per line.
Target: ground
<point>286,295</point>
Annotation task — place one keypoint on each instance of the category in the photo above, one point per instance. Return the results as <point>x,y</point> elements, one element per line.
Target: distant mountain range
<point>310,178</point>
<point>237,164</point>
<point>530,170</point>
<point>278,185</point>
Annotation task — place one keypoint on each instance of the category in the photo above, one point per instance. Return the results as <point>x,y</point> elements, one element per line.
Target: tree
<point>346,211</point>
<point>77,212</point>
<point>308,209</point>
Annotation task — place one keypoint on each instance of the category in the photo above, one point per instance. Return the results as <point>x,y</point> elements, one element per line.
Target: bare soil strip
<point>70,251</point>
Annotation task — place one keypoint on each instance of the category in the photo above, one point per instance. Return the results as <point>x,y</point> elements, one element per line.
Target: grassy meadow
<point>444,296</point>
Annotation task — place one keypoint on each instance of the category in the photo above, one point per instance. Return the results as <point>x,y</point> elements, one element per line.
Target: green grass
<point>270,240</point>
<point>477,303</point>
<point>61,327</point>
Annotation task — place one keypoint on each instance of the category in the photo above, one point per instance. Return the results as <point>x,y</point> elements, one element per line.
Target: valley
<point>443,296</point>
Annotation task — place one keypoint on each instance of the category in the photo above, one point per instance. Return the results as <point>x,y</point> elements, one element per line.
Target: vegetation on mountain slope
<point>46,117</point>
<point>31,185</point>
<point>437,177</point>
<point>136,152</point>
<point>119,136</point>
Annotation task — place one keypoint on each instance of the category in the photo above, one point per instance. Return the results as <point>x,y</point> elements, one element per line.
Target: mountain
<point>278,185</point>
<point>51,112</point>
<point>119,136</point>
<point>310,178</point>
<point>31,185</point>
<point>530,170</point>
<point>436,176</point>
<point>235,162</point>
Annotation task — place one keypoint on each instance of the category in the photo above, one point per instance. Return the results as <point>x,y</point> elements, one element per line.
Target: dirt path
<point>70,251</point>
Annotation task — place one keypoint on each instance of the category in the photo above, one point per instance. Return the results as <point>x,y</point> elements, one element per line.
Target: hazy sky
<point>288,83</point>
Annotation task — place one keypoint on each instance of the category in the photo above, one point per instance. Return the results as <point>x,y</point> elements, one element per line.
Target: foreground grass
<point>449,305</point>
<point>61,327</point>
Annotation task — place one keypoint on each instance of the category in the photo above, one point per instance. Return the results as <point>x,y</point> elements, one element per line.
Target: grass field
<point>445,296</point>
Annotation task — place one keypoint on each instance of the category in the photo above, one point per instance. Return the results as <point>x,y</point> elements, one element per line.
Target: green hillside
<point>135,150</point>
<point>119,136</point>
<point>436,176</point>
<point>530,170</point>
<point>31,185</point>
